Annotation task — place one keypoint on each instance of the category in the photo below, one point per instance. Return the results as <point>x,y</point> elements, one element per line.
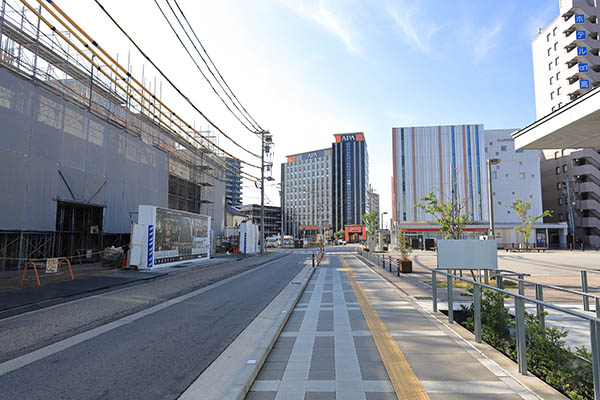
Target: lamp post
<point>382,214</point>
<point>490,162</point>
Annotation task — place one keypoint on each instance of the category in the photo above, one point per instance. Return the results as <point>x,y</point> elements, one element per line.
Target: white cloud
<point>334,22</point>
<point>406,18</point>
<point>487,39</point>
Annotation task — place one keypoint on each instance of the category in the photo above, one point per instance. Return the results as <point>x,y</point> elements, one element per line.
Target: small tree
<point>448,214</point>
<point>522,209</point>
<point>405,250</point>
<point>371,221</point>
<point>339,234</point>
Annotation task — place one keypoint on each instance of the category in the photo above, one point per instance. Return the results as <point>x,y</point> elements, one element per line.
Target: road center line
<point>405,382</point>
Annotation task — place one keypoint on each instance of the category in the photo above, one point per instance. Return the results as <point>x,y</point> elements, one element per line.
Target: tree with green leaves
<point>522,209</point>
<point>339,234</point>
<point>371,221</point>
<point>449,215</point>
<point>403,247</point>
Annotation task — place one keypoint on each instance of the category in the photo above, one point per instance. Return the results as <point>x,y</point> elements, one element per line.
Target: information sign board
<point>51,265</point>
<point>467,254</point>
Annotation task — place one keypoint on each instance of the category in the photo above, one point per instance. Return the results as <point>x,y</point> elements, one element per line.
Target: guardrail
<point>519,300</point>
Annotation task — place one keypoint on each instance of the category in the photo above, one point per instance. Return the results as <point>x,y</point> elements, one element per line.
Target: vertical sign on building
<point>584,84</point>
<point>579,18</point>
<point>580,35</point>
<point>582,51</point>
<point>150,246</point>
<point>583,67</point>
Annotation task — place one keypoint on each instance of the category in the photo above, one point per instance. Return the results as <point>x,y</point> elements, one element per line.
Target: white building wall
<point>555,56</point>
<point>516,177</point>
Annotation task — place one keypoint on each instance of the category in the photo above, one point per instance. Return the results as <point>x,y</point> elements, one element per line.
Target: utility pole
<point>262,193</point>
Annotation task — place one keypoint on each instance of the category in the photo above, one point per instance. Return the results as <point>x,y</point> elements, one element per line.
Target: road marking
<point>26,359</point>
<point>405,382</point>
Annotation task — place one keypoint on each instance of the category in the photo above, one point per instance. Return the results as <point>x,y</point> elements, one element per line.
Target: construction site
<point>83,144</point>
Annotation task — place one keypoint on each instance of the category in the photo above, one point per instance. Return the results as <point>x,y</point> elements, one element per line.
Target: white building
<point>306,192</point>
<point>566,63</point>
<point>452,159</point>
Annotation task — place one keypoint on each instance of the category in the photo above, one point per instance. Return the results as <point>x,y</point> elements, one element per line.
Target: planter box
<point>406,266</point>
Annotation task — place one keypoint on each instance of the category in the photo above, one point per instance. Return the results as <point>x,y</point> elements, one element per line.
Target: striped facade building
<point>446,160</point>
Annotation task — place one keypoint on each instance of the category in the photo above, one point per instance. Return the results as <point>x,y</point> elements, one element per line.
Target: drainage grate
<point>423,297</point>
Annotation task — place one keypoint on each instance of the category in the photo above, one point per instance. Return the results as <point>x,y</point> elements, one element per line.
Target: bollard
<point>434,289</point>
<point>584,289</point>
<point>450,301</point>
<point>477,316</point>
<point>539,295</point>
<point>390,267</point>
<point>313,259</point>
<point>383,262</point>
<point>521,342</point>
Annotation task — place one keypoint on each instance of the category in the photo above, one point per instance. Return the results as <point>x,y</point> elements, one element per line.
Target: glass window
<point>557,170</point>
<point>502,148</point>
<point>547,37</point>
<point>556,61</point>
<point>555,46</point>
<point>550,67</point>
<point>549,50</point>
<point>565,168</point>
<point>560,201</point>
<point>551,80</point>
<point>558,185</point>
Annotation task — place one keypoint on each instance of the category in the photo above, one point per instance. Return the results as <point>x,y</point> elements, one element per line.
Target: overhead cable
<point>170,82</point>
<point>117,84</point>
<point>252,120</point>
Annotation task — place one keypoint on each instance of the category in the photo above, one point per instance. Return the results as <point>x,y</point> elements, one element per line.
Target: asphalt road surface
<point>159,355</point>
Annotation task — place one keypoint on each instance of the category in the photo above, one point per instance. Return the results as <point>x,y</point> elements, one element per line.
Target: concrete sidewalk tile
<point>319,396</point>
<point>473,387</point>
<point>348,395</point>
<point>287,385</point>
<point>378,386</point>
<point>380,396</point>
<point>261,395</point>
<point>264,385</point>
<point>321,386</point>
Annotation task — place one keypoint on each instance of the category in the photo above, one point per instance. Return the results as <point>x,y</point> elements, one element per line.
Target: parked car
<point>340,242</point>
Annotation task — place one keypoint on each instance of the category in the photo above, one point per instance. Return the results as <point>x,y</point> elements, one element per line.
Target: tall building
<point>349,180</point>
<point>233,184</point>
<point>306,192</point>
<point>566,61</point>
<point>373,200</point>
<point>566,65</point>
<point>448,160</point>
<point>272,218</point>
<point>451,161</point>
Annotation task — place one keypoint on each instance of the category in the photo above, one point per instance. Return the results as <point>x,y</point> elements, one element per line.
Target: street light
<point>382,214</point>
<point>490,162</point>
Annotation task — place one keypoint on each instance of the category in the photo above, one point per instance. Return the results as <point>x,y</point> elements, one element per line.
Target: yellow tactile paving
<point>405,382</point>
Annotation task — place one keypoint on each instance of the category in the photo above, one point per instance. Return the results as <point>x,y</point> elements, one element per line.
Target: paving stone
<point>261,395</point>
<point>319,396</point>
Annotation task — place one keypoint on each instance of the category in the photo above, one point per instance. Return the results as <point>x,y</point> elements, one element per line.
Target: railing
<point>519,300</point>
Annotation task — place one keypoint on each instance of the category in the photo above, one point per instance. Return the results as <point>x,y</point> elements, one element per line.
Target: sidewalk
<point>354,335</point>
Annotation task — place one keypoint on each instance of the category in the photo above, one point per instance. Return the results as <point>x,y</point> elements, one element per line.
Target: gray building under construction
<point>77,158</point>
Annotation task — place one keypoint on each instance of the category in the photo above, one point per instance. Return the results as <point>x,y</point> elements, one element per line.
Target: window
<point>560,201</point>
<point>565,168</point>
<point>561,217</point>
<point>547,37</point>
<point>550,67</point>
<point>552,96</point>
<point>551,80</point>
<point>553,108</point>
<point>494,175</point>
<point>558,92</point>
<point>557,75</point>
<point>558,186</point>
<point>556,61</point>
<point>557,170</point>
<point>502,148</point>
<point>554,32</point>
<point>549,50</point>
<point>556,155</point>
<point>520,163</point>
<point>522,175</point>
<point>559,105</point>
<point>555,46</point>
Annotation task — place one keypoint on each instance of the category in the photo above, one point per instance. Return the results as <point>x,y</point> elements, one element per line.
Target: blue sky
<point>309,69</point>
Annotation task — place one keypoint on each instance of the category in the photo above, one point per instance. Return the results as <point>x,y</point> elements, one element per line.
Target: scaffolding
<point>39,55</point>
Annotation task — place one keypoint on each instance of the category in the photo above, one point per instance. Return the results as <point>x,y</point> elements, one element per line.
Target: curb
<point>246,377</point>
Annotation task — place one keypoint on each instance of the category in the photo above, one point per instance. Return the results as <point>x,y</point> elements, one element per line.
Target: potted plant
<point>405,251</point>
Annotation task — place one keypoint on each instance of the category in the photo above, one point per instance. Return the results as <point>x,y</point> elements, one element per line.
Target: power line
<point>194,61</point>
<point>170,82</point>
<point>117,84</point>
<point>255,124</point>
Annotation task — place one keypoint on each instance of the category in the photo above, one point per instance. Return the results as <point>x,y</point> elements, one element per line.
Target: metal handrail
<point>519,299</point>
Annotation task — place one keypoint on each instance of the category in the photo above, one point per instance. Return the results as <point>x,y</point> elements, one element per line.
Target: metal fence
<point>520,300</point>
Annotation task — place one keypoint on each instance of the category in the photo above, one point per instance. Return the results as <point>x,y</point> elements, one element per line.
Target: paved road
<point>156,356</point>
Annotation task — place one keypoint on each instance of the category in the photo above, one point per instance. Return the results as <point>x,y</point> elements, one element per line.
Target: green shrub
<point>548,356</point>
